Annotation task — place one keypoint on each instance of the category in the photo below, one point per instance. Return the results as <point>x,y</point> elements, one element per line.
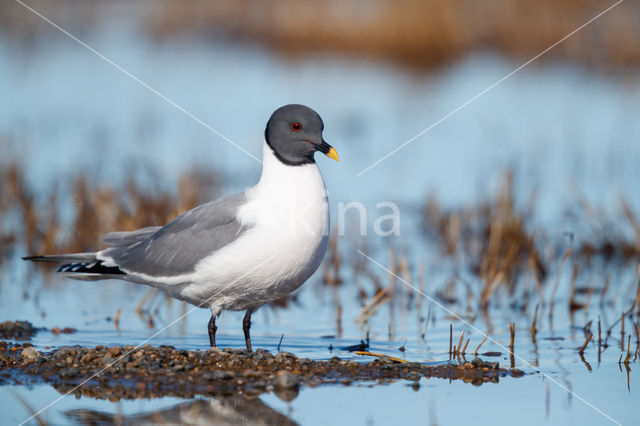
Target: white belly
<point>288,219</point>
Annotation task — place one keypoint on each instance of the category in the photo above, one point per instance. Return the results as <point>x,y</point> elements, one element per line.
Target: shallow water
<point>66,110</point>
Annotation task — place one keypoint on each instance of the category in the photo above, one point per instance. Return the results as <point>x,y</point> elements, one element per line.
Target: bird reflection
<point>231,410</point>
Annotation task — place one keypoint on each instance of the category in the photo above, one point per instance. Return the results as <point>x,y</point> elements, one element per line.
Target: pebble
<point>386,360</point>
<point>90,356</point>
<point>30,354</point>
<point>283,356</point>
<point>64,352</point>
<point>261,355</point>
<point>477,363</point>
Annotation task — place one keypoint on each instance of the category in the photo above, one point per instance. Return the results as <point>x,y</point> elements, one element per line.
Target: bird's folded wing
<point>176,248</point>
<point>118,239</point>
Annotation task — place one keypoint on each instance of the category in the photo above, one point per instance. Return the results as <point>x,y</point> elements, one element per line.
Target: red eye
<point>296,127</point>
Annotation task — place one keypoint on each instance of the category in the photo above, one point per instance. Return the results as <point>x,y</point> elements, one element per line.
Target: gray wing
<point>177,247</point>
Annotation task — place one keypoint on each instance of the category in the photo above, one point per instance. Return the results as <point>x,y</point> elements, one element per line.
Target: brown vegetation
<point>494,239</point>
<point>417,33</point>
<point>99,209</point>
<point>497,242</point>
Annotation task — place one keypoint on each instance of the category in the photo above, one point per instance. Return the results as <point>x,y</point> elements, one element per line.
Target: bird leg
<point>212,331</point>
<point>246,325</point>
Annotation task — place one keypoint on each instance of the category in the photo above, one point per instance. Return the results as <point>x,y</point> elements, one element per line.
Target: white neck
<point>289,194</point>
<point>274,170</point>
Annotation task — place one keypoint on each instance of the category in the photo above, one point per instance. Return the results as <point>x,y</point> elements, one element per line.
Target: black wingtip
<point>39,259</point>
<point>96,268</point>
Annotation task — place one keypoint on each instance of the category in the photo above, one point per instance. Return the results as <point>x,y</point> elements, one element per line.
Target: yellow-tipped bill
<point>333,154</point>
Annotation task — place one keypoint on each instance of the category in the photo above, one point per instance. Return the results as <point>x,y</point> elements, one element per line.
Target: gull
<point>238,252</point>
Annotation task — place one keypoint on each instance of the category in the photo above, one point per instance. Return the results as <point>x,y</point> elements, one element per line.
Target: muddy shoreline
<point>148,372</point>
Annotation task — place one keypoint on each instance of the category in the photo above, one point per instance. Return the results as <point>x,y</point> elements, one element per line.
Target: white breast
<point>288,217</point>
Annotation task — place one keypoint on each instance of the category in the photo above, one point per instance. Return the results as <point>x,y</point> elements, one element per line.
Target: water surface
<point>64,110</point>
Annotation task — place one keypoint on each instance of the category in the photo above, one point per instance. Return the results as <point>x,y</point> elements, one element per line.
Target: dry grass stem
<point>534,331</point>
<point>599,339</point>
<point>586,342</point>
<point>392,358</point>
<point>628,357</point>
<point>574,305</point>
<point>459,346</point>
<point>475,353</point>
<point>464,348</point>
<point>622,333</point>
<point>374,304</point>
<point>512,333</point>
<point>116,319</point>
<point>147,296</point>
